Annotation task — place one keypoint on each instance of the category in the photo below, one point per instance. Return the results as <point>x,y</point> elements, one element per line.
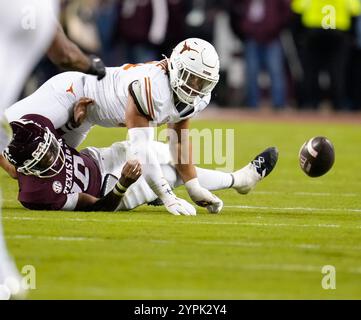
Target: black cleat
<point>245,179</point>
<point>156,203</point>
<point>265,161</point>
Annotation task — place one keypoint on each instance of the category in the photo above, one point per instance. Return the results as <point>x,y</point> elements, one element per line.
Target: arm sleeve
<point>141,142</point>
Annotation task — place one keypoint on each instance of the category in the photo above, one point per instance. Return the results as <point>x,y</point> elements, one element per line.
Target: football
<point>317,156</point>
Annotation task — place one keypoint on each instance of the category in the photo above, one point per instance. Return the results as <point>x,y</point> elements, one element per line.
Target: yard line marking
<point>326,194</point>
<point>256,267</point>
<point>51,238</point>
<point>316,194</point>
<point>295,208</point>
<point>260,244</point>
<point>194,222</point>
<point>246,244</point>
<point>166,293</point>
<point>308,246</point>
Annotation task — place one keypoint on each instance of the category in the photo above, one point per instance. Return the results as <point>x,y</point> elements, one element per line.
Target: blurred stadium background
<point>275,55</point>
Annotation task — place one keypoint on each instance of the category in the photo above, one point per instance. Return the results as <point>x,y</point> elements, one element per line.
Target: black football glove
<point>97,67</point>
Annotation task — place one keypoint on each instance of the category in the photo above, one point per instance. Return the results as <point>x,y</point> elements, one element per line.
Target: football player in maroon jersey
<point>53,176</point>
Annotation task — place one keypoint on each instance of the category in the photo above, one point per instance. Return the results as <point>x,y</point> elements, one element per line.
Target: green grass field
<point>270,244</point>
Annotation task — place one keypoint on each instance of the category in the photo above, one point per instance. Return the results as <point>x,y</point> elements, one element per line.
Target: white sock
<point>214,180</point>
<point>209,179</point>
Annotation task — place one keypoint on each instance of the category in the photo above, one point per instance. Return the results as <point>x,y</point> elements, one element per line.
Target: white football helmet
<point>193,69</point>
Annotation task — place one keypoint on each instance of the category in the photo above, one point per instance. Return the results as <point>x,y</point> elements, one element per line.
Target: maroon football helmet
<point>34,150</point>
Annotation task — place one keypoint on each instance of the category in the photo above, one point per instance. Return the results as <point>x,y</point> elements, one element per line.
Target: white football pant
<point>111,161</point>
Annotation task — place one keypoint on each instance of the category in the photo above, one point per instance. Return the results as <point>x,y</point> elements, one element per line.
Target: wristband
<point>163,190</point>
<point>192,184</point>
<point>119,190</point>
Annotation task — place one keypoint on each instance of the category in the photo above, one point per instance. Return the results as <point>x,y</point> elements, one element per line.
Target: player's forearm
<point>108,203</point>
<point>142,149</point>
<point>141,137</point>
<point>66,54</point>
<point>186,171</point>
<point>182,150</point>
<point>130,174</point>
<point>184,164</point>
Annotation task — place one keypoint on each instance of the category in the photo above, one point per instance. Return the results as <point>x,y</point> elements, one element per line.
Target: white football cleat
<point>245,179</point>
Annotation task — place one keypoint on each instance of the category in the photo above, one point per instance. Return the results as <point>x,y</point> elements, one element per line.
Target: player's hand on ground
<point>131,172</point>
<point>178,206</point>
<point>216,206</point>
<point>203,197</point>
<point>80,111</point>
<point>206,199</point>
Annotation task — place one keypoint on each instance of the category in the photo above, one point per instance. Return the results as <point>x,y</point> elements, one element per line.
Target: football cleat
<point>245,179</point>
<point>156,203</point>
<point>266,161</point>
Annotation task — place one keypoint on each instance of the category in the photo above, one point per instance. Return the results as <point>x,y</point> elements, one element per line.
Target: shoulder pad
<point>141,92</point>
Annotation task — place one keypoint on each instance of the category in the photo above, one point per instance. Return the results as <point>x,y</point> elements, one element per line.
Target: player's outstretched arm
<point>141,137</point>
<point>67,55</point>
<point>130,174</point>
<point>181,149</point>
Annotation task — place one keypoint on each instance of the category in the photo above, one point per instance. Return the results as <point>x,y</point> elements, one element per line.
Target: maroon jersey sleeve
<point>80,174</point>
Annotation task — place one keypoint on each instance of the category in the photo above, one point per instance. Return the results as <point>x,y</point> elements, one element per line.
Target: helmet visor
<point>193,85</point>
<point>196,84</point>
<point>49,159</point>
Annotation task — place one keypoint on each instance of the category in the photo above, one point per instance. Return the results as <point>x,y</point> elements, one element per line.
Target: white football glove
<point>173,204</point>
<point>179,206</point>
<point>203,197</point>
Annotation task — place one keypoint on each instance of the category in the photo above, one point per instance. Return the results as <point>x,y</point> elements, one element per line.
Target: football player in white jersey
<point>140,97</point>
<point>27,31</point>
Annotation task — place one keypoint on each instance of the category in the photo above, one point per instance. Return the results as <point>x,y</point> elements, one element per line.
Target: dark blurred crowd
<point>283,53</point>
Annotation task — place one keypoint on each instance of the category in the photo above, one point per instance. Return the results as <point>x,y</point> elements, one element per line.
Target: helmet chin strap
<point>175,98</point>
